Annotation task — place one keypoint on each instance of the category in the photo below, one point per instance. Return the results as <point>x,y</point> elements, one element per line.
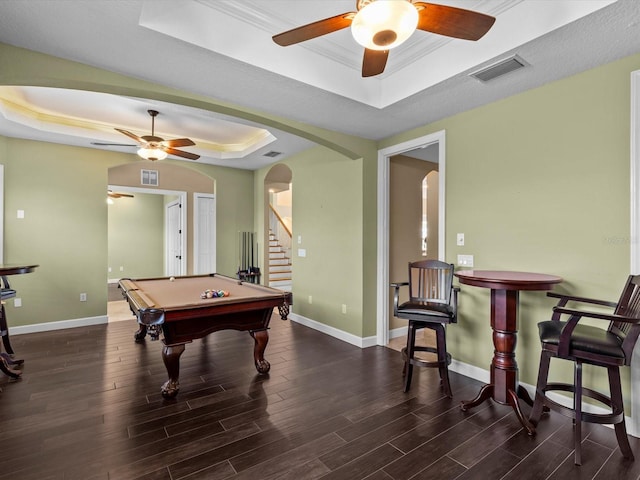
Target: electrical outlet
<point>83,297</point>
<point>17,302</point>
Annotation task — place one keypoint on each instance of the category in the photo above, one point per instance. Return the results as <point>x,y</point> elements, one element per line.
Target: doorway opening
<point>278,189</point>
<point>435,142</point>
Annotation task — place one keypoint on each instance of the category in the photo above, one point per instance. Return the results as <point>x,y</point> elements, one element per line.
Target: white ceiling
<point>223,49</point>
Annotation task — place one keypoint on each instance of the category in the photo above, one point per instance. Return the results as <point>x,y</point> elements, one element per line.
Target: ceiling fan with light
<point>380,25</point>
<point>155,148</point>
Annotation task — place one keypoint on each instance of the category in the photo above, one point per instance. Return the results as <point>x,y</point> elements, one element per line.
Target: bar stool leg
<point>577,407</point>
<point>617,406</point>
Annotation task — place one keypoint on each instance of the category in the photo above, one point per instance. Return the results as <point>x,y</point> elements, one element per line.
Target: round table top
<point>507,280</point>
<point>15,269</point>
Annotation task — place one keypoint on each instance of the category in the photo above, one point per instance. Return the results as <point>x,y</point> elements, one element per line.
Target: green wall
<point>136,236</point>
<point>327,206</point>
<point>540,182</point>
<point>62,192</point>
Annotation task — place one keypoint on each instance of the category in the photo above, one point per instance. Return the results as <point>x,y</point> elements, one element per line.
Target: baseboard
<point>334,332</point>
<point>398,332</point>
<point>49,326</point>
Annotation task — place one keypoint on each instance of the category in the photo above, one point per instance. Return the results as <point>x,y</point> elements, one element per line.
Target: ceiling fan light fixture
<point>152,153</point>
<point>384,24</point>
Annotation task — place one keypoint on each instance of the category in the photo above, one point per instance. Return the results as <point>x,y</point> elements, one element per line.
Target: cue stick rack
<point>248,249</point>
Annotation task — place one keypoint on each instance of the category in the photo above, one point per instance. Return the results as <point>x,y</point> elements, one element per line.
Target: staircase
<point>279,265</point>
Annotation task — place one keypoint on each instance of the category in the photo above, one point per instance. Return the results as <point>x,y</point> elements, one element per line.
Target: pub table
<point>505,288</point>
<point>7,358</point>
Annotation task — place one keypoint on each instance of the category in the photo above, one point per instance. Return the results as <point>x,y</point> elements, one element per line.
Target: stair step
<point>285,267</point>
<point>280,276</point>
<point>279,261</point>
<point>286,288</point>
<point>275,249</point>
<point>280,283</point>
<point>276,255</point>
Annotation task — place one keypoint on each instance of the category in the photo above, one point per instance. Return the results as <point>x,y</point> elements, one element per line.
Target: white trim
<point>333,332</point>
<point>62,324</point>
<point>384,155</point>
<point>398,332</point>
<point>635,235</point>
<point>1,213</point>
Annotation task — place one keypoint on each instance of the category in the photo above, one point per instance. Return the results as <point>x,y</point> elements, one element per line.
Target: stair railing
<point>280,230</point>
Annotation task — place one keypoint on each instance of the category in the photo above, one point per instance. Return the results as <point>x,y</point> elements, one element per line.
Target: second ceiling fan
<point>380,25</point>
<point>156,148</point>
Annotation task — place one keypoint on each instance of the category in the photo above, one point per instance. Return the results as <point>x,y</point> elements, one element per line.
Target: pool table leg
<point>284,311</point>
<point>171,357</point>
<point>141,333</point>
<point>261,338</point>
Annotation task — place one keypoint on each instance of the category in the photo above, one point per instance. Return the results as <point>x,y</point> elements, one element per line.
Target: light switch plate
<point>460,239</point>
<point>465,260</point>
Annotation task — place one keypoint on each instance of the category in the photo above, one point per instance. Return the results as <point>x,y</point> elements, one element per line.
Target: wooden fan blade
<point>118,194</point>
<point>313,30</point>
<point>178,142</point>
<point>453,22</point>
<point>374,62</point>
<point>180,153</point>
<point>114,144</point>
<point>130,135</point>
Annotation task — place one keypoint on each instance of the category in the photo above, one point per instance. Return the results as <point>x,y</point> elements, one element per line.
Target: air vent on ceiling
<point>500,68</point>
<point>272,154</point>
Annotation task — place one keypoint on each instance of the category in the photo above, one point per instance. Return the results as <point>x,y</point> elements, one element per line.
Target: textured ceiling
<point>223,49</point>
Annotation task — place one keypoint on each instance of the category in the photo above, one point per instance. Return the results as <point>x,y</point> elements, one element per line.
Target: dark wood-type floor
<point>89,407</point>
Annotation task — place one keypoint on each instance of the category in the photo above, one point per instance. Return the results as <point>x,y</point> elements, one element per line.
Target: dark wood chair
<point>610,347</point>
<point>433,303</point>
<point>7,358</point>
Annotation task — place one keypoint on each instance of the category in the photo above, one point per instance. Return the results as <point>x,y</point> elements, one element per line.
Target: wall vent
<point>500,68</point>
<point>272,154</point>
<point>149,177</point>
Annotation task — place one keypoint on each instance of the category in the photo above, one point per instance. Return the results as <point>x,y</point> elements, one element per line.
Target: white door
<point>204,225</point>
<point>174,239</point>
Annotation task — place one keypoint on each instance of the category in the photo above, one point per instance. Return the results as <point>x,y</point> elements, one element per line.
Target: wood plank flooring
<point>88,407</point>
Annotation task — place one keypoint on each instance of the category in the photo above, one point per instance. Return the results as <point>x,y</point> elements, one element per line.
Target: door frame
<point>635,238</point>
<point>384,158</point>
<point>182,196</point>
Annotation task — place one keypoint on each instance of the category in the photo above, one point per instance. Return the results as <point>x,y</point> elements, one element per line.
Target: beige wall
<point>405,219</point>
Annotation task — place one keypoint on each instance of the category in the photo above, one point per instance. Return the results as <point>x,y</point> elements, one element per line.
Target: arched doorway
<point>278,189</point>
<point>138,244</point>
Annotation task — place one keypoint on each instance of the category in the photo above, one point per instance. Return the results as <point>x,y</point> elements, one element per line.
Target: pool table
<point>174,307</point>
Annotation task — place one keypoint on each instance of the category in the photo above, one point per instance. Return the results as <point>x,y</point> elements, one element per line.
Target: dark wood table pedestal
<point>505,286</point>
<point>7,358</point>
